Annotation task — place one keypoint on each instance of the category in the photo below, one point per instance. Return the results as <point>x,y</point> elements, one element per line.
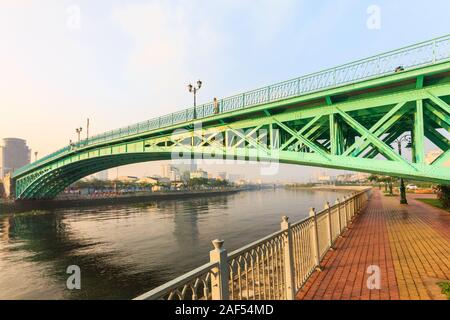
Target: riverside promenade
<point>410,245</point>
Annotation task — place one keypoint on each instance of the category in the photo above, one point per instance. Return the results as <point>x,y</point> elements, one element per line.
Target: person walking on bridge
<point>216,106</point>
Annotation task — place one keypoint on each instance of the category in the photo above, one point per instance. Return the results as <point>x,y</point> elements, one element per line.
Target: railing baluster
<point>338,204</point>
<point>330,227</point>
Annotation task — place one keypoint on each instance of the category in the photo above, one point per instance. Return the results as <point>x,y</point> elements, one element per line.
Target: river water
<point>126,250</point>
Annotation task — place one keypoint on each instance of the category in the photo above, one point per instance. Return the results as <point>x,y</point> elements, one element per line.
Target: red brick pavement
<point>408,243</point>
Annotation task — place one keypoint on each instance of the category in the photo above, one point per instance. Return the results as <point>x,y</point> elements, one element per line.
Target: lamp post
<point>399,141</point>
<point>78,131</point>
<point>194,90</point>
<point>87,129</point>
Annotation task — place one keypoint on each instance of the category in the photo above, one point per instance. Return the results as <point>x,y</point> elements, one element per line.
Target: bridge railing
<point>273,268</point>
<point>418,55</point>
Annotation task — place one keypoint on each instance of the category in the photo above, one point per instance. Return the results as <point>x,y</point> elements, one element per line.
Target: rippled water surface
<point>125,250</point>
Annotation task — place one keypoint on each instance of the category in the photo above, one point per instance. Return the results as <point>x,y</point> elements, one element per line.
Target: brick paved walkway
<point>410,244</point>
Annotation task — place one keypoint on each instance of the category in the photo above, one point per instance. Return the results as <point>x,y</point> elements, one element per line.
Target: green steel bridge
<point>347,117</point>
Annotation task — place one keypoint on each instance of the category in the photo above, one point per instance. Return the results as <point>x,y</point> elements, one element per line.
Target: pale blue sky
<point>131,60</point>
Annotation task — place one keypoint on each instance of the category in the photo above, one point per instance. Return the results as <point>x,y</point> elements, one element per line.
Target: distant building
<point>154,180</point>
<point>324,178</point>
<point>222,176</point>
<point>158,187</point>
<point>235,177</point>
<point>176,185</point>
<point>170,172</point>
<point>432,155</point>
<point>177,172</point>
<point>241,182</point>
<point>353,177</point>
<point>128,179</point>
<point>14,154</point>
<point>184,167</point>
<point>199,174</point>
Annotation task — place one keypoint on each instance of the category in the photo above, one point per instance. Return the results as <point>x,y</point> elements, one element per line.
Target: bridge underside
<point>352,128</point>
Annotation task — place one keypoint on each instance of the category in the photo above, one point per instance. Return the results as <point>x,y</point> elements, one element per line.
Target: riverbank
<point>83,201</point>
<point>406,243</point>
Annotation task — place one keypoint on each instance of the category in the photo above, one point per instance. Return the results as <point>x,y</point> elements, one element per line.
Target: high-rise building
<point>199,174</point>
<point>14,154</point>
<point>178,171</point>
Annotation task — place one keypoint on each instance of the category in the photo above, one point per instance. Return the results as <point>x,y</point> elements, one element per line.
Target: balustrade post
<point>338,204</point>
<point>315,239</point>
<point>288,259</point>
<point>357,204</point>
<point>434,51</point>
<point>344,208</point>
<point>349,209</point>
<point>361,202</point>
<point>330,227</point>
<point>220,274</point>
<point>346,211</point>
<point>350,205</point>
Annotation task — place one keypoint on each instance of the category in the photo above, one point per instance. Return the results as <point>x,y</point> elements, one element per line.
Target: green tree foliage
<point>444,195</point>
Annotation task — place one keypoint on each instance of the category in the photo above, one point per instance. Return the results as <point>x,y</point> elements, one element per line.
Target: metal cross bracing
<point>349,127</point>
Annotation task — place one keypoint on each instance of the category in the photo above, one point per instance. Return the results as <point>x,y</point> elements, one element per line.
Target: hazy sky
<point>123,62</point>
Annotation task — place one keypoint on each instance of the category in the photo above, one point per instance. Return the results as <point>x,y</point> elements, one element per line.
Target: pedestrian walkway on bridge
<point>410,244</point>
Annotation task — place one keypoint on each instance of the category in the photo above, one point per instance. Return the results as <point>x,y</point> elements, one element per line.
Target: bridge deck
<point>410,244</point>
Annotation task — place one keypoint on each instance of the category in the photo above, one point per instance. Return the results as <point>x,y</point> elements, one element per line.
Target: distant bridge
<point>343,118</point>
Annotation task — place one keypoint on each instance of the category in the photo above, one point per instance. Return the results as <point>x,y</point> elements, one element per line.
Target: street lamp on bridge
<point>406,138</point>
<point>194,90</point>
<point>78,131</point>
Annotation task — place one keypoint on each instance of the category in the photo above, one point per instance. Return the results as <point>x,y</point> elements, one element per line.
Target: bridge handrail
<point>418,55</point>
<point>272,268</point>
<point>194,284</point>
